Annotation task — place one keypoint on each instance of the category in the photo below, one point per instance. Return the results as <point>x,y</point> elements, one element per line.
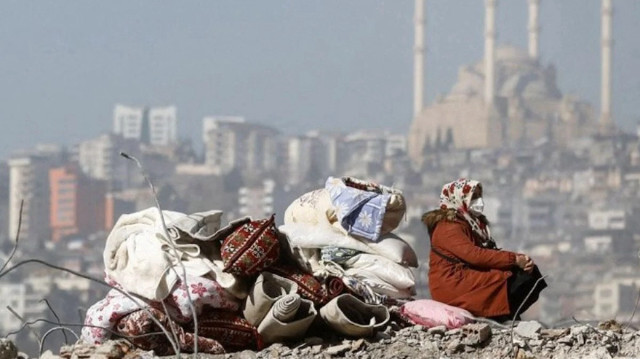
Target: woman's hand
<point>524,262</point>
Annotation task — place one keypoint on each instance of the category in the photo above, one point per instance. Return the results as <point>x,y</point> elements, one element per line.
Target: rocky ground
<point>528,339</point>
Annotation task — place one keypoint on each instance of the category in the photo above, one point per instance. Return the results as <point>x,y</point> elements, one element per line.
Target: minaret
<point>534,28</point>
<point>606,121</point>
<point>418,59</point>
<point>489,51</point>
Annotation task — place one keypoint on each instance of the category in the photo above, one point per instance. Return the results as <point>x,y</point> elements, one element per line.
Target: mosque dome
<point>528,104</point>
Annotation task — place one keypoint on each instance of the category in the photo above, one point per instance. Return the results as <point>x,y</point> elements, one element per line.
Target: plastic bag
<point>430,313</point>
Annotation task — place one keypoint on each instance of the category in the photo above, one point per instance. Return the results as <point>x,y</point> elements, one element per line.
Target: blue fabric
<point>359,212</point>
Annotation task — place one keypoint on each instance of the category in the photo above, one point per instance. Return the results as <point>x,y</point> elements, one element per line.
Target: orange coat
<point>479,287</point>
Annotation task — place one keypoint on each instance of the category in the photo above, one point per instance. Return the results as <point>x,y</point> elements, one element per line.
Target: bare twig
<point>166,311</point>
<point>174,251</point>
<point>66,340</point>
<point>80,315</point>
<point>46,334</point>
<point>123,292</point>
<point>15,244</point>
<point>38,338</point>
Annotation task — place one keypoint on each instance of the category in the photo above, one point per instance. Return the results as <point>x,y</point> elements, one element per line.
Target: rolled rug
<point>350,316</point>
<point>266,291</point>
<point>273,329</point>
<point>335,286</point>
<point>286,307</point>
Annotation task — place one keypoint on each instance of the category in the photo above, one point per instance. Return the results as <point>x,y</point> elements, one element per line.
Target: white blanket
<point>139,255</point>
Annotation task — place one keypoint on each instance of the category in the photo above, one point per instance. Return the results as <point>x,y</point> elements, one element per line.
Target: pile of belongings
<point>182,282</point>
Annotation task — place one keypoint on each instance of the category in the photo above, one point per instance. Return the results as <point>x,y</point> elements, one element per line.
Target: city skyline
<point>66,67</point>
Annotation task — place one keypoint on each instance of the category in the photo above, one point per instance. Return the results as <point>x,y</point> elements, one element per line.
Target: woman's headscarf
<point>457,195</point>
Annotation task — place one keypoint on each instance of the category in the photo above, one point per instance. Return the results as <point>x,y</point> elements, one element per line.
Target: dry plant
<point>137,300</point>
<point>174,252</point>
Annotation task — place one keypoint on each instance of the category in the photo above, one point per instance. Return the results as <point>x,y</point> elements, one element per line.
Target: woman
<point>466,269</point>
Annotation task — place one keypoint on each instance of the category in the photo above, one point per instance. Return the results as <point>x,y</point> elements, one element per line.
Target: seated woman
<point>466,269</point>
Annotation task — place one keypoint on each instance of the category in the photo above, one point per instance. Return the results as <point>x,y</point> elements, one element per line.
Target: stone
<point>338,349</point>
<point>49,355</point>
<point>454,346</point>
<point>357,345</point>
<point>612,325</point>
<point>581,329</point>
<point>440,329</point>
<point>316,349</point>
<point>8,350</point>
<point>418,328</point>
<point>535,342</point>
<point>311,341</point>
<point>454,331</point>
<point>554,333</point>
<point>567,339</point>
<point>528,329</point>
<point>469,349</point>
<point>382,336</point>
<point>524,354</point>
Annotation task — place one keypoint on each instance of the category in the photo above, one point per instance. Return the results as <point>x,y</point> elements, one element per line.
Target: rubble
<point>471,341</point>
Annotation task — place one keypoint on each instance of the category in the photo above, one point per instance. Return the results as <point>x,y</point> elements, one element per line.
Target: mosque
<point>509,98</point>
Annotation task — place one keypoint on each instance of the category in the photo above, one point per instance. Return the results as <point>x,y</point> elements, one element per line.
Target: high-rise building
<point>77,203</point>
<point>99,158</point>
<point>29,182</point>
<point>313,156</point>
<point>163,125</point>
<point>156,125</point>
<point>232,143</point>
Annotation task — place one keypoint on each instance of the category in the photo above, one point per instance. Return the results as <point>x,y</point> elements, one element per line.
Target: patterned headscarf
<point>457,195</point>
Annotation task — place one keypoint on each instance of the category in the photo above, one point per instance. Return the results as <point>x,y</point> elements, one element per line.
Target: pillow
<point>251,248</point>
<point>300,235</point>
<point>396,249</point>
<point>312,208</point>
<point>373,266</point>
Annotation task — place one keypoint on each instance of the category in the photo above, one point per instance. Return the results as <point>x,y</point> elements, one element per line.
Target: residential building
<point>232,143</point>
<point>100,158</point>
<point>264,200</point>
<point>614,298</point>
<point>77,203</point>
<point>156,125</point>
<point>29,182</point>
<point>163,126</point>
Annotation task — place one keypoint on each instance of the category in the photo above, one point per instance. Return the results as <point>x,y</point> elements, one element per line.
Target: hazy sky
<point>297,65</point>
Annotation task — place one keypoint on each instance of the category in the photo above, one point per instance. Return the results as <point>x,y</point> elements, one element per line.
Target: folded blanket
<point>139,325</point>
<point>360,212</point>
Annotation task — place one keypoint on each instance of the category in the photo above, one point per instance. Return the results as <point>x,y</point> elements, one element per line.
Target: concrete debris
<point>338,349</point>
<point>476,334</point>
<point>612,325</point>
<point>441,329</point>
<point>112,349</point>
<point>553,333</point>
<point>471,341</point>
<point>528,329</point>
